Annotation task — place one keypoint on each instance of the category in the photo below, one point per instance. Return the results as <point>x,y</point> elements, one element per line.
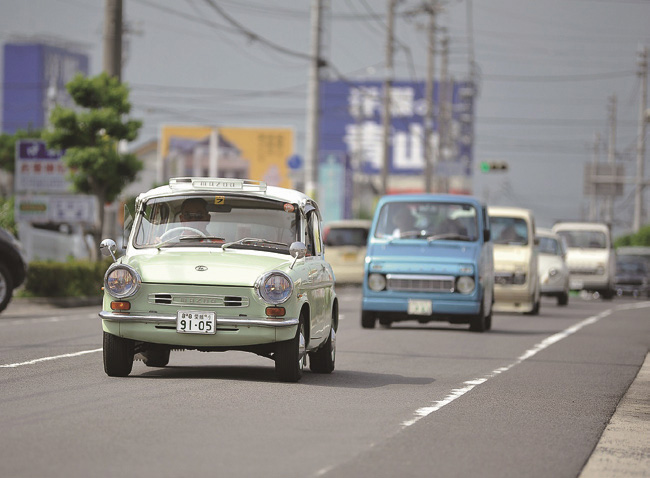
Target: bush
<point>641,238</point>
<point>75,278</point>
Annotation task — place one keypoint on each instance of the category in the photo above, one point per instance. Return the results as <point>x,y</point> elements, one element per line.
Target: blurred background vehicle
<point>553,269</point>
<point>590,256</point>
<point>631,277</point>
<point>13,266</point>
<point>346,249</point>
<point>516,283</point>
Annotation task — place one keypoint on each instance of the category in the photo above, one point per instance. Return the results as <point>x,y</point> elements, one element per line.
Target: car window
<point>585,239</point>
<point>425,220</point>
<point>346,236</point>
<point>549,245</point>
<point>509,230</point>
<point>214,220</point>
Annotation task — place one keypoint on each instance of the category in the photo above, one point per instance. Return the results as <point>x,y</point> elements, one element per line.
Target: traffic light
<point>489,166</point>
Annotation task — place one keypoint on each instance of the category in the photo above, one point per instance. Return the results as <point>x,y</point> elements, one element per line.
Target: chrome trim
<point>420,282</point>
<point>259,283</point>
<point>160,319</point>
<point>197,300</point>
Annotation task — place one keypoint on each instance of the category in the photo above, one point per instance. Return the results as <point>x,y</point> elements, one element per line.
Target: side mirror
<point>108,248</point>
<point>486,235</point>
<point>298,250</point>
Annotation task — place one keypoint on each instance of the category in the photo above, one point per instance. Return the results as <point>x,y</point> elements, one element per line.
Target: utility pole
<point>640,148</point>
<point>444,108</point>
<point>428,119</point>
<point>611,159</point>
<point>593,213</point>
<point>113,38</point>
<point>388,82</point>
<point>313,105</point>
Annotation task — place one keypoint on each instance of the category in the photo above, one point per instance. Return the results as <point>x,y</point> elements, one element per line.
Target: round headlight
<point>376,282</point>
<point>121,281</point>
<point>465,284</point>
<point>552,272</point>
<point>274,287</point>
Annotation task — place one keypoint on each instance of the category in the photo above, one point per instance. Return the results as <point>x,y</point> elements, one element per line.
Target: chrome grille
<point>198,300</point>
<point>419,283</point>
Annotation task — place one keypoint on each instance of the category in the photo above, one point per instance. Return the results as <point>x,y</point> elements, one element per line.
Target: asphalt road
<point>529,398</point>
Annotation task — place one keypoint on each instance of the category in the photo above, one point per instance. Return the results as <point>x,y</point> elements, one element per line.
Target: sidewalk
<point>624,448</point>
<point>25,306</point>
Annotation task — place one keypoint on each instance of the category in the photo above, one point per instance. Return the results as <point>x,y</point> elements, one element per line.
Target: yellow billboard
<point>233,152</point>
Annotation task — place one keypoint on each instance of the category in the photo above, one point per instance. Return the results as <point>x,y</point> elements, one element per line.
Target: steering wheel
<point>180,231</point>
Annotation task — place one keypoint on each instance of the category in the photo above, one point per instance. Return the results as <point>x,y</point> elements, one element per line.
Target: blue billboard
<point>351,123</point>
<point>34,81</point>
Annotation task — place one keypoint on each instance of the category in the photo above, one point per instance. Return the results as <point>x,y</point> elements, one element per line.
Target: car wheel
<point>6,287</point>
<point>367,319</point>
<point>118,355</point>
<point>385,322</point>
<point>156,356</point>
<point>290,356</point>
<point>563,298</point>
<point>488,320</point>
<point>477,322</point>
<point>607,294</point>
<point>323,359</point>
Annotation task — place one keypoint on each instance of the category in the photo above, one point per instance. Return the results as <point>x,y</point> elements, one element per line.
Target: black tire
<point>488,320</point>
<point>607,294</point>
<point>478,323</point>
<point>156,356</point>
<point>323,359</point>
<point>536,308</point>
<point>118,355</point>
<point>368,319</point>
<point>6,287</point>
<point>563,298</point>
<point>290,356</point>
<point>385,323</point>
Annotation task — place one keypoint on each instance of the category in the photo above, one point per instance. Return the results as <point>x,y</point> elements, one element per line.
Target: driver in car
<point>194,214</point>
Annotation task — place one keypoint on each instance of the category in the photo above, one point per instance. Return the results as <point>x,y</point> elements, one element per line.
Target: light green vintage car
<point>221,264</point>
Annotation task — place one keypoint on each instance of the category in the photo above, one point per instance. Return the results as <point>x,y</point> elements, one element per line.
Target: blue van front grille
<point>419,283</point>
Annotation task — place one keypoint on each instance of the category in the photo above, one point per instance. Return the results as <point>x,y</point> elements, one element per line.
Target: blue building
<point>35,75</point>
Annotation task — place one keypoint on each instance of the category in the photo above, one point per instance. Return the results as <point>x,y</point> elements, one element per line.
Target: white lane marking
<point>470,384</point>
<point>45,359</point>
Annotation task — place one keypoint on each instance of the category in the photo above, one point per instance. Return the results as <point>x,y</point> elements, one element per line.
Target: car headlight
<point>274,287</point>
<point>122,281</point>
<point>552,272</point>
<point>465,284</point>
<point>377,282</point>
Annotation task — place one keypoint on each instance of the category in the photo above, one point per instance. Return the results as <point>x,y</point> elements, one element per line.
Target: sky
<point>546,70</point>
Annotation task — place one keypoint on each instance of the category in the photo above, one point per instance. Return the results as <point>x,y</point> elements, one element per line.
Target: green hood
<point>234,268</point>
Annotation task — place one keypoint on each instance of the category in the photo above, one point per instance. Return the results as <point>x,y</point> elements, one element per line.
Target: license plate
<point>576,285</point>
<point>420,307</point>
<point>195,322</point>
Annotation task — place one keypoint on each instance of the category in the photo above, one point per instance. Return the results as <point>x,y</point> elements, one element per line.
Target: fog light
<point>120,305</point>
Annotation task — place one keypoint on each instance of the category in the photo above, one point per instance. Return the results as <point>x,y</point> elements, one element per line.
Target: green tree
<point>641,238</point>
<point>90,135</point>
<point>8,147</point>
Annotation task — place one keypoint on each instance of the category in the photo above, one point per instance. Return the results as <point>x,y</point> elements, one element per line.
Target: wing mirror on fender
<point>298,250</point>
<point>108,248</point>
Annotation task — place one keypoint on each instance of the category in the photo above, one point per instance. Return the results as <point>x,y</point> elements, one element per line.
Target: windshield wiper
<point>254,241</point>
<point>450,236</point>
<point>194,237</point>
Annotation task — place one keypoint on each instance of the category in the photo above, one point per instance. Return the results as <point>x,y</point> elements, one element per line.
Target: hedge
<point>75,278</point>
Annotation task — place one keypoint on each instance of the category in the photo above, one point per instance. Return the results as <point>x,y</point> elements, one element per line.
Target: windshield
<point>585,239</point>
<point>549,245</point>
<point>427,221</point>
<point>210,221</point>
<point>509,230</point>
<point>346,236</point>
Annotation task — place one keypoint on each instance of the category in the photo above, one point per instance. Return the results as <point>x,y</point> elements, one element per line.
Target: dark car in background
<point>631,277</point>
<point>13,267</point>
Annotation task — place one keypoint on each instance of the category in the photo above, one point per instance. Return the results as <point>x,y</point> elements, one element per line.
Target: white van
<point>590,256</point>
<point>516,281</point>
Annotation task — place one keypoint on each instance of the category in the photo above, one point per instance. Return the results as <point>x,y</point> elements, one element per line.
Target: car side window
<point>314,244</point>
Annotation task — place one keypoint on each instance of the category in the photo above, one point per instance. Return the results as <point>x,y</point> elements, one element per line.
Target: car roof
<point>442,198</point>
<point>543,231</point>
<point>580,226</point>
<point>504,211</point>
<point>192,185</point>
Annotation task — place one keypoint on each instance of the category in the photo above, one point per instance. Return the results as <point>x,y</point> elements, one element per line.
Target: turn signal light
<point>120,305</point>
<point>275,311</point>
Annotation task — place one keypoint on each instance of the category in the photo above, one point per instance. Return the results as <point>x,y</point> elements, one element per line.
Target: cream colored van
<point>590,256</point>
<point>516,282</point>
